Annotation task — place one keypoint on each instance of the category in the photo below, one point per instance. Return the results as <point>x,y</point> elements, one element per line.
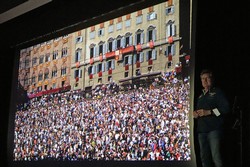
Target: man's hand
<point>202,112</point>
<point>195,114</point>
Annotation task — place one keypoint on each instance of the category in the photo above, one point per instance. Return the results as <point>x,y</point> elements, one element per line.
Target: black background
<point>221,44</point>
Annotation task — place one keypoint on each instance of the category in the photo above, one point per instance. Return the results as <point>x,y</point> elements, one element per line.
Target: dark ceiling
<point>6,5</point>
<point>57,15</point>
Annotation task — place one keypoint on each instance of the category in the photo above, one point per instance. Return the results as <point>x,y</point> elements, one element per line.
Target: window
<point>47,57</point>
<point>79,39</point>
<point>151,34</point>
<point>53,85</point>
<point>54,73</point>
<point>170,49</point>
<point>151,16</point>
<point>78,73</point>
<point>40,76</point>
<point>150,69</point>
<point>127,23</point>
<point>139,57</point>
<point>92,35</point>
<point>100,67</point>
<point>78,54</point>
<point>33,79</point>
<point>139,37</point>
<point>139,19</point>
<point>111,45</point>
<point>128,39</point>
<point>34,61</point>
<point>91,70</point>
<point>127,60</point>
<point>46,74</point>
<point>151,54</point>
<point>55,54</point>
<point>92,50</point>
<point>101,48</point>
<point>125,74</point>
<point>110,65</point>
<point>119,26</point>
<point>39,89</point>
<point>27,62</point>
<point>138,72</point>
<point>63,83</point>
<point>64,51</point>
<point>41,58</point>
<point>109,78</point>
<point>63,71</point>
<point>101,32</point>
<point>169,10</point>
<point>111,28</point>
<point>118,42</point>
<point>170,29</point>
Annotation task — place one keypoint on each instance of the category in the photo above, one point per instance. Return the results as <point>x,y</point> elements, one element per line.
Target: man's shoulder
<point>215,89</point>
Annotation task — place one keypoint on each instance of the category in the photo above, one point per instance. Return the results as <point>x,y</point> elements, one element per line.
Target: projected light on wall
<point>116,91</point>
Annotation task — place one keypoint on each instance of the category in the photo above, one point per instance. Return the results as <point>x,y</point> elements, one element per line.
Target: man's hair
<point>207,71</point>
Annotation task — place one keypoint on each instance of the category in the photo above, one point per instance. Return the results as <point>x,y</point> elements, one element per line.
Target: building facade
<point>118,50</point>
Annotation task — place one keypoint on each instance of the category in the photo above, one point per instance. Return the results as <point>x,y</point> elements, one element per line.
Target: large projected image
<point>120,90</point>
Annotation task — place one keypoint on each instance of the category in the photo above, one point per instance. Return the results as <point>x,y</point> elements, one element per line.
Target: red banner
<point>91,61</point>
<point>110,71</point>
<point>139,48</point>
<point>90,76</point>
<point>126,67</point>
<point>100,74</point>
<point>150,62</point>
<point>127,49</point>
<point>151,44</point>
<point>138,64</point>
<point>77,64</point>
<point>110,54</point>
<point>170,39</point>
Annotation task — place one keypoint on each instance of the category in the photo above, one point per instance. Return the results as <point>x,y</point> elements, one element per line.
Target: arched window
<point>151,33</point>
<point>139,37</point>
<point>78,54</point>
<point>34,61</point>
<point>46,73</point>
<point>41,59</point>
<point>92,50</point>
<point>128,39</point>
<point>170,29</point>
<point>47,57</point>
<point>40,75</point>
<point>119,43</point>
<point>54,72</point>
<point>63,70</point>
<point>101,48</point>
<point>111,45</point>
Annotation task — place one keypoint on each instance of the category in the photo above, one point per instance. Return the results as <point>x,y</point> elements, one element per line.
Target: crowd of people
<point>146,123</point>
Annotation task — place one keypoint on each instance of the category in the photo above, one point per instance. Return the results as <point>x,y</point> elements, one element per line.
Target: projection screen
<point>114,90</point>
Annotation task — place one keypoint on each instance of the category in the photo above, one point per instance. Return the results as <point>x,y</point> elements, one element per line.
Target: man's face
<point>206,80</point>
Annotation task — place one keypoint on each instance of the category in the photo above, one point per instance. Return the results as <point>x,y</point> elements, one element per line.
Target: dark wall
<point>220,45</point>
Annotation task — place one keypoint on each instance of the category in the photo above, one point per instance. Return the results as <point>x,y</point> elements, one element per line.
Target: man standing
<point>211,108</point>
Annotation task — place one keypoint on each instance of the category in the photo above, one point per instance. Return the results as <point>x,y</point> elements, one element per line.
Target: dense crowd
<point>147,123</point>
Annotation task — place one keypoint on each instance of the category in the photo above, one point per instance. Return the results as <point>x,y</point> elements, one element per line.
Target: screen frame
<point>95,163</point>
